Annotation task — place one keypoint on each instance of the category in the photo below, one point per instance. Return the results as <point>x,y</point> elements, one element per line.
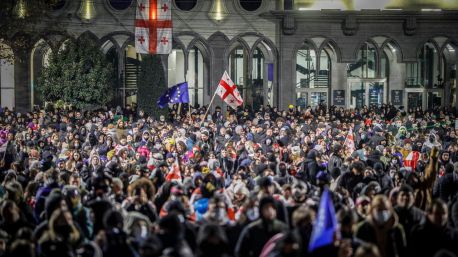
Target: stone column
<point>217,66</point>
<point>22,67</point>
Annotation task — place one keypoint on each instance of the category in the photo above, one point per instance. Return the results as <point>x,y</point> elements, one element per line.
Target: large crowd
<point>245,183</point>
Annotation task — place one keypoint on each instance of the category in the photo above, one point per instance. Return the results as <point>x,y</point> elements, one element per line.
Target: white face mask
<point>381,217</point>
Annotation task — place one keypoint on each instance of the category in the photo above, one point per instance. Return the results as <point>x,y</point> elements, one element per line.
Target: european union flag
<point>176,94</point>
<point>325,225</point>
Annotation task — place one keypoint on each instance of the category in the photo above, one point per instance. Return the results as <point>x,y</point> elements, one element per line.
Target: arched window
<point>305,67</point>
<point>129,89</point>
<point>120,4</point>
<point>258,78</point>
<point>186,5</point>
<point>366,63</point>
<point>238,69</point>
<point>449,73</point>
<point>250,5</point>
<point>312,79</point>
<point>112,57</point>
<point>175,67</point>
<point>424,72</point>
<point>57,5</point>
<point>195,76</point>
<point>6,78</point>
<point>40,57</point>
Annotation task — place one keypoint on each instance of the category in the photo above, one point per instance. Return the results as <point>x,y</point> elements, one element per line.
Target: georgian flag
<point>410,162</point>
<point>349,141</point>
<point>228,92</point>
<point>153,27</point>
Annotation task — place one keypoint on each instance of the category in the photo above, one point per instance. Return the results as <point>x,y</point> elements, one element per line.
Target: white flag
<point>228,92</point>
<point>153,27</point>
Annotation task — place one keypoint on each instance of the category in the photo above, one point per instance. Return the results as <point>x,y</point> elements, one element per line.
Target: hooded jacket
<point>389,237</point>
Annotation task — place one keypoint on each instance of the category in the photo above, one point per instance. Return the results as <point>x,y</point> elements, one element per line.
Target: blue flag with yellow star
<point>173,95</point>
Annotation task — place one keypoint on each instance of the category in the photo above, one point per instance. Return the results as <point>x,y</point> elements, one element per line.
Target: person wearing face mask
<point>256,234</point>
<point>434,234</point>
<point>382,228</point>
<point>282,177</point>
<point>217,212</point>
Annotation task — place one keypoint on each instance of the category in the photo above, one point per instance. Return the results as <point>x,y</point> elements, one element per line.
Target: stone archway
<point>39,59</point>
<point>7,81</point>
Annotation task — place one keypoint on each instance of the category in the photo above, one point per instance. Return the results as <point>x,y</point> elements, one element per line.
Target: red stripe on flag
<point>149,24</point>
<point>229,89</point>
<point>153,28</point>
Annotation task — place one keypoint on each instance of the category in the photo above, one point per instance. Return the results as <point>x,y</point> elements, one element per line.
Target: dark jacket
<point>385,181</point>
<point>255,235</point>
<point>311,167</point>
<point>409,217</point>
<point>389,238</point>
<point>426,239</point>
<point>446,186</point>
<point>349,180</point>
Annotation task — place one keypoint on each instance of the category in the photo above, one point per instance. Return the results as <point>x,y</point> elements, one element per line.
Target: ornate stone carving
<point>410,26</point>
<point>289,24</point>
<point>350,25</point>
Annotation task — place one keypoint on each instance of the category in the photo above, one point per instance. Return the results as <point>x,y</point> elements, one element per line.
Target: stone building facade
<point>276,54</point>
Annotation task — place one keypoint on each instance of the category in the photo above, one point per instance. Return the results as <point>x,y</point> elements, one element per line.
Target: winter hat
<point>335,173</point>
<point>266,201</point>
<point>113,219</point>
<point>265,182</point>
<point>176,206</point>
<point>378,129</point>
<point>378,167</point>
<point>245,163</point>
<point>449,168</point>
<point>406,188</point>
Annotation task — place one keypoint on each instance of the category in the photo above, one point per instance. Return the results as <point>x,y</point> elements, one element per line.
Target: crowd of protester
<point>242,183</point>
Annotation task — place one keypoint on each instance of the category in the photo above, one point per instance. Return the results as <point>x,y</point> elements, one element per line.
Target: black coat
<point>392,234</point>
<point>409,217</point>
<point>385,181</point>
<point>349,181</point>
<point>446,186</point>
<point>426,239</point>
<point>256,235</point>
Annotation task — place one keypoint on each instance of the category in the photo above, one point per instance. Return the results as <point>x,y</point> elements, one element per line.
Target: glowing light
<point>431,10</point>
<point>87,10</point>
<point>218,15</point>
<point>21,9</point>
<point>218,11</point>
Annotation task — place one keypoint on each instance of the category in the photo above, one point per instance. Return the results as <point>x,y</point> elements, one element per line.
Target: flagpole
<point>209,105</point>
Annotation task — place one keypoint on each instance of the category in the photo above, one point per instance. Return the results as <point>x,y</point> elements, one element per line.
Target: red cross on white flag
<point>153,27</point>
<point>228,92</point>
<point>349,142</point>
